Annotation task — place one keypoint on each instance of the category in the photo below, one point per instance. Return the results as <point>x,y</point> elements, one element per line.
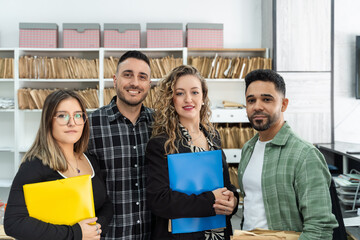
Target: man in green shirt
<point>284,179</point>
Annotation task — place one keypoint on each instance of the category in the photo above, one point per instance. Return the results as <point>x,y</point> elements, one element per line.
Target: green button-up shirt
<point>295,185</point>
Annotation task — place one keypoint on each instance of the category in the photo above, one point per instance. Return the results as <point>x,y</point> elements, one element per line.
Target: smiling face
<point>69,133</point>
<point>188,98</point>
<point>132,82</point>
<point>265,106</point>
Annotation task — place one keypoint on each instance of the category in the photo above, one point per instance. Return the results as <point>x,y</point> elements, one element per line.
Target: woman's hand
<point>89,230</point>
<point>226,204</point>
<point>218,193</point>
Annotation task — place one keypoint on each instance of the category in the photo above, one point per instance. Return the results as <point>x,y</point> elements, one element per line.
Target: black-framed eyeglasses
<point>63,118</point>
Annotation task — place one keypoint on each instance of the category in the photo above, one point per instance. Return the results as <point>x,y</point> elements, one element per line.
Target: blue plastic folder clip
<point>195,173</point>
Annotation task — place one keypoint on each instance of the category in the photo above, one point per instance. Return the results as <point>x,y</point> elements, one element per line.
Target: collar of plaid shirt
<point>113,112</point>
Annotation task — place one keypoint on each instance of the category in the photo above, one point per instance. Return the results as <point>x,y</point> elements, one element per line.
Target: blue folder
<point>195,173</point>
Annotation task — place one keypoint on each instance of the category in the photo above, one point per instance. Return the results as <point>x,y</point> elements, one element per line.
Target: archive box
<point>81,35</point>
<point>164,35</point>
<point>38,35</point>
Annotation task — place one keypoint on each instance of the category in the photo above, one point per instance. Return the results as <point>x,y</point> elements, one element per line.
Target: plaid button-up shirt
<point>120,148</point>
<point>295,185</point>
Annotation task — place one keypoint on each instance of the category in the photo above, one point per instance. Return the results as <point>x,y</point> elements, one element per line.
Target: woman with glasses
<point>57,153</point>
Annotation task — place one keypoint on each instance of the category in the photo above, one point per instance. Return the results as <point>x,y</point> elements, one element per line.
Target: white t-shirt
<point>254,210</point>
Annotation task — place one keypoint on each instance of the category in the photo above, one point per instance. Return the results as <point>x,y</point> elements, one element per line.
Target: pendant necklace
<point>194,139</point>
<point>77,166</point>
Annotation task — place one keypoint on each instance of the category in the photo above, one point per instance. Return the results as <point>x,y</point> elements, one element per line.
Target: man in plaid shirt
<point>284,180</point>
<point>118,137</point>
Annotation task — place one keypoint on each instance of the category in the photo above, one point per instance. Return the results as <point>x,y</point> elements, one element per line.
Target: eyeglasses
<point>63,118</point>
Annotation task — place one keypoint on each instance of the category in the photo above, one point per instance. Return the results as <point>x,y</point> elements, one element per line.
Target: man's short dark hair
<point>266,75</point>
<point>134,54</point>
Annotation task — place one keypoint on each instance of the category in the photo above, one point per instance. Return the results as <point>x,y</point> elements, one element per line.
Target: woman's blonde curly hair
<point>166,118</point>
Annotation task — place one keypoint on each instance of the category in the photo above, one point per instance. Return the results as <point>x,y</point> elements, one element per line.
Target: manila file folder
<point>195,173</point>
<point>65,201</point>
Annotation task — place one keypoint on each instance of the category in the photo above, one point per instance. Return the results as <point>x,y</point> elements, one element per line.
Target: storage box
<point>204,35</point>
<point>164,35</point>
<point>38,35</point>
<point>121,35</point>
<point>81,35</point>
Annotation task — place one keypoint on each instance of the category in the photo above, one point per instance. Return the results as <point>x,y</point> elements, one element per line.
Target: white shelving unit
<point>19,127</point>
<point>7,132</point>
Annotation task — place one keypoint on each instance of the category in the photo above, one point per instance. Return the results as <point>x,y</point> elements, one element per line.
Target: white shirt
<point>254,209</point>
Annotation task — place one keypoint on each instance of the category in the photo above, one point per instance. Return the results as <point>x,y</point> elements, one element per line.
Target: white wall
<point>347,108</point>
<point>303,29</point>
<point>241,18</point>
<point>303,47</point>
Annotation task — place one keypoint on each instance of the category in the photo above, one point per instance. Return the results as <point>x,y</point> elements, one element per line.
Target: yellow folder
<point>66,201</point>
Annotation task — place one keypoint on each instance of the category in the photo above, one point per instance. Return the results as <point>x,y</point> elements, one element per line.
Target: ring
<point>97,228</point>
<point>98,232</point>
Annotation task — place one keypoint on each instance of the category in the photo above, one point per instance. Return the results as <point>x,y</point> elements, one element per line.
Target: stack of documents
<point>6,103</point>
<point>354,178</point>
<point>346,191</point>
<point>29,98</point>
<point>352,222</point>
<point>222,67</point>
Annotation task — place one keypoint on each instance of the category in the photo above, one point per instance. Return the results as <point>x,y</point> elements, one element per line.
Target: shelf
<point>86,53</point>
<point>144,49</point>
<point>124,49</point>
<point>6,149</point>
<point>31,110</point>
<point>227,49</point>
<point>5,183</point>
<point>7,52</point>
<point>229,52</point>
<point>110,80</point>
<point>40,110</point>
<point>6,49</point>
<point>57,80</point>
<point>209,80</point>
<point>224,80</point>
<point>60,49</point>
<point>233,155</point>
<point>6,80</point>
<point>150,52</point>
<point>229,115</point>
<point>7,110</point>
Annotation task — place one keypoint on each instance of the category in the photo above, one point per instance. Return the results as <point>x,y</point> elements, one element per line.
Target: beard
<point>134,103</point>
<point>264,124</point>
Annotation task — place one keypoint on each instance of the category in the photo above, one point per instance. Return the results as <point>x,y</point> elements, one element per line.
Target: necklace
<point>194,139</point>
<point>77,166</point>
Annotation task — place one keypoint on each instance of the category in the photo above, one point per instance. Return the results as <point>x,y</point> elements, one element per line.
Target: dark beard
<point>258,125</point>
<point>261,127</point>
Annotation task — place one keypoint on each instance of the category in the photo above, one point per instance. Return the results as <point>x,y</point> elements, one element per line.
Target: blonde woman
<point>182,125</point>
<point>58,152</point>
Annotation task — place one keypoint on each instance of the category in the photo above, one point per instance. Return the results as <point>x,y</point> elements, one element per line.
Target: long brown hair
<point>45,146</point>
<point>166,119</point>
